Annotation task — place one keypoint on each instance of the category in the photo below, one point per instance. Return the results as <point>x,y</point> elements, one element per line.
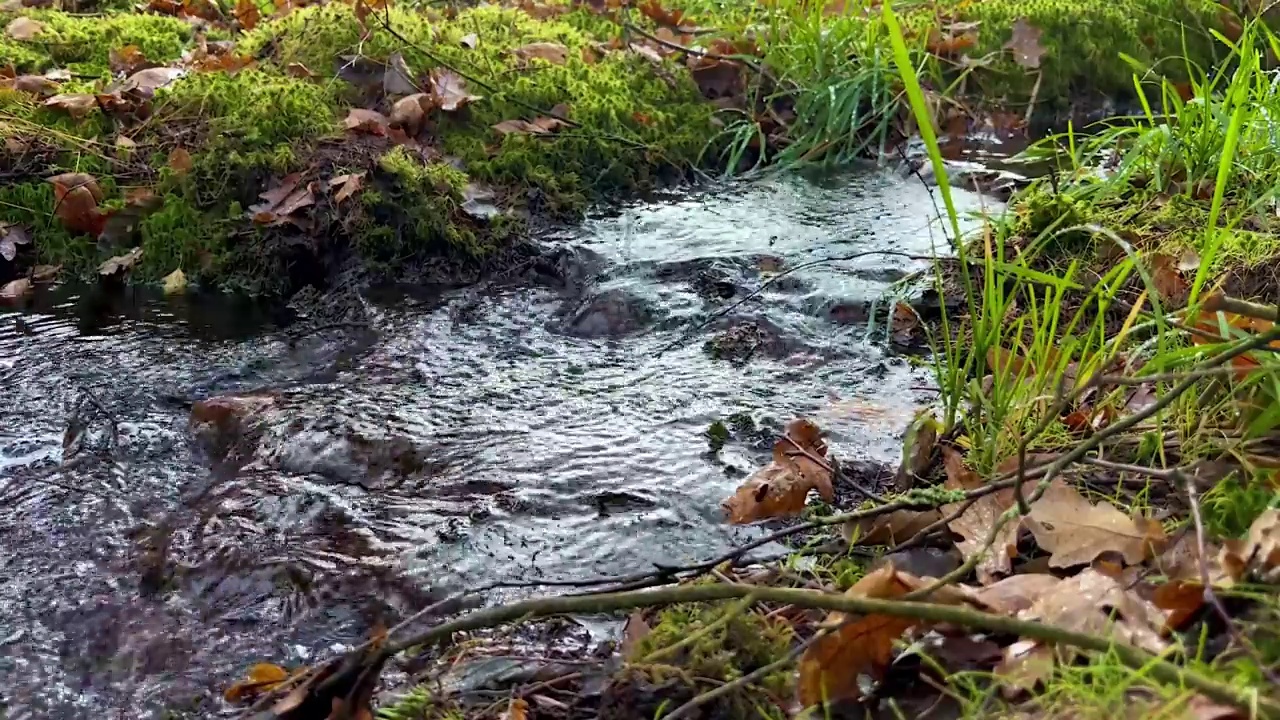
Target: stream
<point>533,429</point>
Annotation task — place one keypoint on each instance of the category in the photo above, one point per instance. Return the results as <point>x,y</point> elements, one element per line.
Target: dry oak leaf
<point>247,14</point>
<point>1075,532</point>
<point>859,645</point>
<point>1015,593</point>
<point>76,197</point>
<point>151,79</point>
<point>371,122</point>
<point>259,679</point>
<point>23,28</point>
<point>77,105</point>
<point>35,84</point>
<point>350,184</point>
<point>891,529</point>
<point>283,201</point>
<point>977,521</point>
<point>121,263</point>
<point>537,126</point>
<point>1258,555</point>
<point>450,90</point>
<point>1097,604</point>
<point>554,53</point>
<point>1025,44</point>
<point>780,488</point>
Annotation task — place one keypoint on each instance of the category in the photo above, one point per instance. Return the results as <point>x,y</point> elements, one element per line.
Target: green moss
<point>31,205</point>
<point>180,236</point>
<point>427,195</point>
<point>255,108</point>
<point>84,44</point>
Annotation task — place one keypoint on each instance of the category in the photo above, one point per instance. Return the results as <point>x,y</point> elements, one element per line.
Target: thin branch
<point>1164,671</point>
<point>744,59</point>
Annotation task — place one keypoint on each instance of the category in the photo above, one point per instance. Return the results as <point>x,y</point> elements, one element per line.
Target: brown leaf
<point>829,668</point>
<point>180,161</point>
<point>397,79</point>
<point>648,53</point>
<point>891,529</point>
<point>554,53</point>
<point>1075,532</point>
<point>1168,281</point>
<point>247,14</point>
<point>1025,44</point>
<point>121,263</point>
<point>23,28</point>
<point>1258,555</point>
<point>76,198</point>
<point>298,70</point>
<point>151,79</point>
<point>715,78</point>
<point>654,10</point>
<point>903,323</point>
<point>976,523</point>
<point>780,488</point>
<point>128,60</point>
<point>259,679</point>
<point>77,105</point>
<point>34,84</point>
<point>1180,601</point>
<point>450,90</point>
<point>16,289</point>
<point>45,273</point>
<point>1026,664</point>
<point>370,122</point>
<point>917,450</point>
<point>351,184</point>
<point>1015,593</point>
<point>282,201</point>
<point>1096,604</point>
<point>633,631</point>
<point>1001,361</point>
<point>538,126</point>
<point>11,236</point>
<point>953,42</point>
<point>590,56</point>
<point>517,709</point>
<point>1202,708</point>
<point>410,113</point>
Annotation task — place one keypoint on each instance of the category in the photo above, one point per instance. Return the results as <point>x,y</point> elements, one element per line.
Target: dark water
<point>547,437</point>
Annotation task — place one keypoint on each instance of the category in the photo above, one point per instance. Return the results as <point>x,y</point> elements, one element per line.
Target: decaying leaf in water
<point>976,522</point>
<point>1075,532</point>
<point>347,185</point>
<point>23,28</point>
<point>175,283</point>
<point>554,53</point>
<point>180,161</point>
<point>370,122</point>
<point>16,289</point>
<point>891,529</point>
<point>779,489</point>
<point>829,668</point>
<point>121,263</point>
<point>11,236</point>
<point>1025,44</point>
<point>450,90</point>
<point>76,198</point>
<point>259,679</point>
<point>917,450</point>
<point>282,201</point>
<point>77,105</point>
<point>1258,555</point>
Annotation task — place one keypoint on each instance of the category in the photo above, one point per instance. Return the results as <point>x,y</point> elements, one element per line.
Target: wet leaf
<point>259,679</point>
<point>1096,604</point>
<point>76,198</point>
<point>175,283</point>
<point>469,41</point>
<point>1025,664</point>
<point>478,202</point>
<point>975,523</point>
<point>917,450</point>
<point>247,14</point>
<point>903,323</point>
<point>554,53</point>
<point>1025,44</point>
<point>16,289</point>
<point>517,709</point>
<point>397,79</point>
<point>450,90</point>
<point>891,529</point>
<point>1075,532</point>
<point>180,161</point>
<point>1180,601</point>
<point>128,60</point>
<point>23,28</point>
<point>780,488</point>
<point>370,122</point>
<point>1015,593</point>
<point>347,185</point>
<point>121,263</point>
<point>538,126</point>
<point>77,105</point>
<point>633,631</point>
<point>11,236</point>
<point>45,273</point>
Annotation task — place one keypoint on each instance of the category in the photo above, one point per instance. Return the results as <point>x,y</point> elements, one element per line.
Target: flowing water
<point>524,431</point>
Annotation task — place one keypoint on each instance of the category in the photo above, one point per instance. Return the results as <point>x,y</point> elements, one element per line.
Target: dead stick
<point>1245,698</point>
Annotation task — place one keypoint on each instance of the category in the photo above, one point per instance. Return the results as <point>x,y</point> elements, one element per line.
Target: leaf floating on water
<point>1076,532</point>
<point>780,488</point>
<point>121,263</point>
<point>1025,44</point>
<point>175,283</point>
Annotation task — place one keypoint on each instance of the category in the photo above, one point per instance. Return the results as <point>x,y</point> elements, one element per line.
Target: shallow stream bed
<point>534,431</point>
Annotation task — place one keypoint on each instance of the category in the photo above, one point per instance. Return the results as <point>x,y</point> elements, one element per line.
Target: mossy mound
<point>245,131</point>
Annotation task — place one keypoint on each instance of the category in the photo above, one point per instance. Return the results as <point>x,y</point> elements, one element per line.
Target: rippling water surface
<point>535,430</point>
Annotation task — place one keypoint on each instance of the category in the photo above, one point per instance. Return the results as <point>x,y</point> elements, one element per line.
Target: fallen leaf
<point>151,79</point>
<point>469,41</point>
<point>715,78</point>
<point>1096,604</point>
<point>478,202</point>
<point>1075,532</point>
<point>397,79</point>
<point>175,283</point>
<point>259,679</point>
<point>410,113</point>
<point>121,263</point>
<point>298,70</point>
<point>1001,361</point>
<point>1025,44</point>
<point>829,668</point>
<point>180,161</point>
<point>1026,664</point>
<point>370,122</point>
<point>23,28</point>
<point>590,56</point>
<point>283,201</point>
<point>649,53</point>
<point>633,631</point>
<point>77,105</point>
<point>951,43</point>
<point>1015,593</point>
<point>247,14</point>
<point>517,709</point>
<point>538,126</point>
<point>11,236</point>
<point>903,322</point>
<point>891,529</point>
<point>35,84</point>
<point>450,90</point>
<point>76,197</point>
<point>1258,555</point>
<point>1180,600</point>
<point>125,145</point>
<point>976,523</point>
<point>554,53</point>
<point>45,273</point>
<point>1168,281</point>
<point>16,289</point>
<point>128,60</point>
<point>1188,260</point>
<point>350,185</point>
<point>654,10</point>
<point>780,488</point>
<point>1202,708</point>
<point>917,450</point>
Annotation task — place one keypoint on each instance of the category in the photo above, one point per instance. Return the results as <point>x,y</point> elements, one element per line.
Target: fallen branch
<point>1249,700</point>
